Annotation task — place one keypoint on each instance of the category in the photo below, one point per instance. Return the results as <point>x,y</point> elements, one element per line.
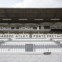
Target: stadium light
<point>6,19</point>
<point>22,19</point>
<point>38,19</point>
<point>55,19</point>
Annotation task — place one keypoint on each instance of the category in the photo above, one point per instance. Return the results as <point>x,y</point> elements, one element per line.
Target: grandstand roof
<point>30,15</point>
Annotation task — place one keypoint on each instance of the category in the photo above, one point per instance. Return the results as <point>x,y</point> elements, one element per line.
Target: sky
<point>30,3</point>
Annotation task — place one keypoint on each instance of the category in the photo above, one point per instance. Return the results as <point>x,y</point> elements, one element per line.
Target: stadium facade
<point>31,31</point>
